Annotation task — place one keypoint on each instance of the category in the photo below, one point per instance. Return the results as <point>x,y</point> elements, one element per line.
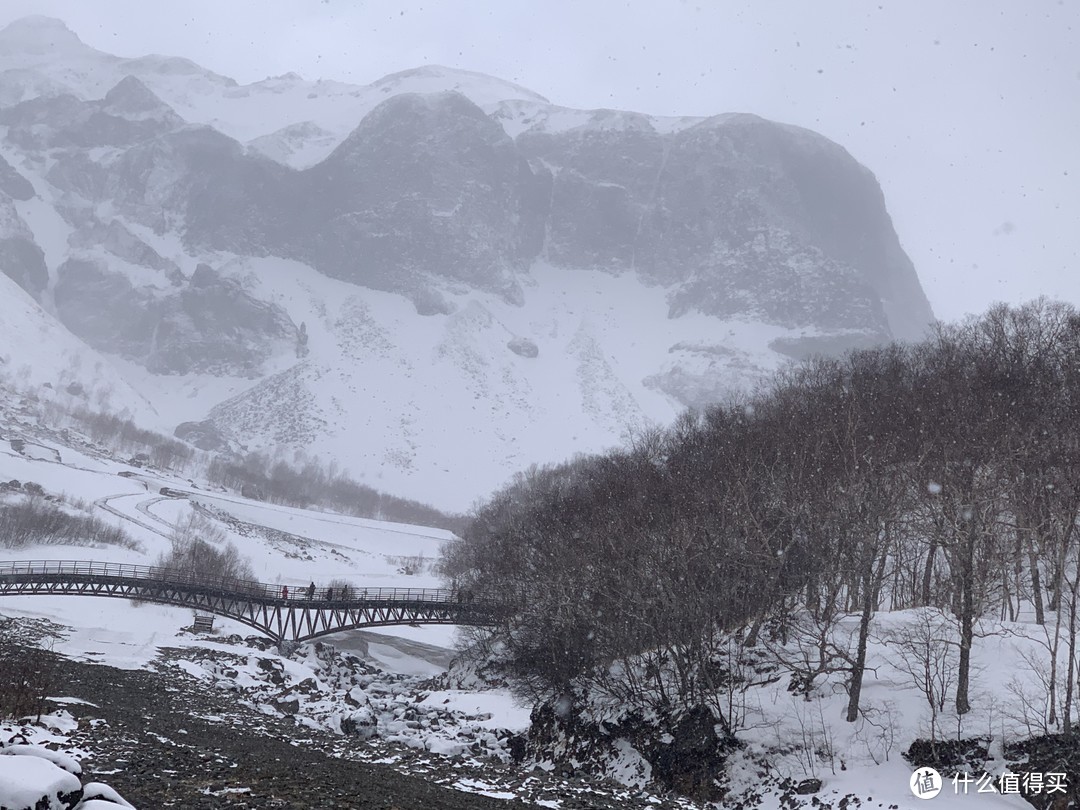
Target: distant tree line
<point>312,483</point>
<point>121,435</point>
<point>28,517</point>
<point>943,476</point>
<point>309,483</point>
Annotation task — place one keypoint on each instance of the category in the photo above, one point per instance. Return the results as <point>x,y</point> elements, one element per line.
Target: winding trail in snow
<point>104,503</point>
<point>144,508</point>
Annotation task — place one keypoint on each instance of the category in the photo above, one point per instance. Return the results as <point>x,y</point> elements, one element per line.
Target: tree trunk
<point>755,630</point>
<point>1036,583</point>
<point>928,572</point>
<point>967,623</point>
<point>870,590</point>
<point>1066,709</point>
<point>813,596</point>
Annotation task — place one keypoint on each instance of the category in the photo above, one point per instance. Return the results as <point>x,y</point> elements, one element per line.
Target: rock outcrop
<point>210,325</point>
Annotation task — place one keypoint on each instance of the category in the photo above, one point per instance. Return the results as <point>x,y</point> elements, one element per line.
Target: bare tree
<point>201,550</point>
<point>927,653</point>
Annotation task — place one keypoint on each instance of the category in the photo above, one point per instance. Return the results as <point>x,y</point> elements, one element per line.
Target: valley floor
<point>163,742</point>
<point>162,739</point>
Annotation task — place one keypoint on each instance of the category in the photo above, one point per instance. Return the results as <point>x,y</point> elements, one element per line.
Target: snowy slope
<point>409,404</point>
<point>433,372</point>
<point>37,351</point>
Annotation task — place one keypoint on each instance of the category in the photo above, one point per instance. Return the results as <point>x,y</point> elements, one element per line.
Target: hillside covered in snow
<point>434,280</point>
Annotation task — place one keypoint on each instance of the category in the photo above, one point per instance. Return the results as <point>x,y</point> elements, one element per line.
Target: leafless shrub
<point>925,650</point>
<point>342,589</point>
<point>33,520</point>
<point>27,665</point>
<point>411,566</point>
<point>201,550</point>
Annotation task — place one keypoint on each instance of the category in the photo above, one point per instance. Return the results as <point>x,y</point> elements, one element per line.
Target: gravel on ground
<point>162,743</point>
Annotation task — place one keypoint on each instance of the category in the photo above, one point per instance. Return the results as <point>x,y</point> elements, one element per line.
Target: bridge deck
<point>280,612</point>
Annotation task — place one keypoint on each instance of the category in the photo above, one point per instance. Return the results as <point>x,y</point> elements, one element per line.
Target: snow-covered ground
<point>34,774</point>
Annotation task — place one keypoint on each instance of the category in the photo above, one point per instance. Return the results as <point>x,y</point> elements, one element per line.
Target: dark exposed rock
<point>686,753</point>
<point>122,243</point>
<point>425,185</point>
<point>362,724</point>
<point>273,668</point>
<point>23,262</point>
<point>738,216</point>
<point>746,215</point>
<point>130,97</point>
<point>65,121</point>
<point>75,171</point>
<point>288,706</point>
<point>949,757</point>
<point>603,180</point>
<point>1048,754</point>
<point>14,184</point>
<point>204,183</point>
<point>21,259</point>
<point>518,747</point>
<point>691,762</point>
<point>212,325</point>
<point>429,301</point>
<point>203,277</point>
<point>523,347</point>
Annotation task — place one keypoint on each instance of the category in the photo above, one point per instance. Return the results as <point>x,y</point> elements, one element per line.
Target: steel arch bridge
<point>280,615</point>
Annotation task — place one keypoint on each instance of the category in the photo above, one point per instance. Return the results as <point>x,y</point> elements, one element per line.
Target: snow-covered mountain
<point>436,279</point>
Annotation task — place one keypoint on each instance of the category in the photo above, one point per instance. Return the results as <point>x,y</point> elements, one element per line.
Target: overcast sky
<point>968,111</point>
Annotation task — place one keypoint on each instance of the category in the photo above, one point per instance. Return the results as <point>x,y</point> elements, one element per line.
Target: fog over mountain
<point>436,279</point>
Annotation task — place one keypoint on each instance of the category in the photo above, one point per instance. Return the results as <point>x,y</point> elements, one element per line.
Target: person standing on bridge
<point>311,591</point>
<point>284,591</point>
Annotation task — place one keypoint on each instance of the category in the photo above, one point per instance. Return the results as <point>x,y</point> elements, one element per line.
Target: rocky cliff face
<point>579,271</point>
<point>207,325</point>
<point>735,215</point>
<point>21,259</point>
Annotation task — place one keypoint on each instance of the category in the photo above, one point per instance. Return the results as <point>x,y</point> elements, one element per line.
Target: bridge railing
<point>89,570</point>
